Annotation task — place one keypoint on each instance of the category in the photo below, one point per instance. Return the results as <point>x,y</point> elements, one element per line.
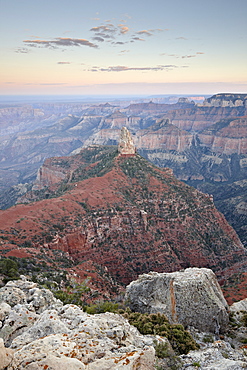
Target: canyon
<point>84,203</point>
<point>108,214</point>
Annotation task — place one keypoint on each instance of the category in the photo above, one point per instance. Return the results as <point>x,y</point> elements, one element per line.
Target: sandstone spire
<point>126,144</point>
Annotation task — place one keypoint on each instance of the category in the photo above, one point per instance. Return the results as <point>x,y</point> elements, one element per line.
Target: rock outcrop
<point>64,337</point>
<point>112,207</point>
<point>218,356</point>
<point>226,100</point>
<point>61,337</point>
<point>191,297</point>
<point>126,144</point>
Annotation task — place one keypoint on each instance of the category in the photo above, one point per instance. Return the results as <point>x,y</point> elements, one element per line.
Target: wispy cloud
<point>108,31</point>
<point>123,29</point>
<point>125,68</point>
<point>136,39</point>
<point>63,62</point>
<point>22,50</point>
<point>144,32</point>
<point>124,51</point>
<point>99,39</point>
<point>183,56</point>
<point>60,42</point>
<point>188,56</point>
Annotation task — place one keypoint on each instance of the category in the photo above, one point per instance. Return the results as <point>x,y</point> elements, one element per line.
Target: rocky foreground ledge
<point>38,332</point>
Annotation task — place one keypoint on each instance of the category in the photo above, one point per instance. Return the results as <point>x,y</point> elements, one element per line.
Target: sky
<point>107,47</point>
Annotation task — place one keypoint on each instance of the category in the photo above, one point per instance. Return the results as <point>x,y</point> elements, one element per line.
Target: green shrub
<point>101,307</point>
<point>157,324</point>
<point>208,339</point>
<point>69,298</point>
<point>9,269</point>
<point>181,340</point>
<point>162,350</point>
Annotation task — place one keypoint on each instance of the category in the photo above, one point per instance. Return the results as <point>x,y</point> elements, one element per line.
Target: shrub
<point>69,298</point>
<point>162,350</point>
<point>180,339</point>
<point>9,269</point>
<point>208,339</point>
<point>101,307</point>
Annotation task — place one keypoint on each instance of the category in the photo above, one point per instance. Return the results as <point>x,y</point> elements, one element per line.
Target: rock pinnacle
<point>126,144</point>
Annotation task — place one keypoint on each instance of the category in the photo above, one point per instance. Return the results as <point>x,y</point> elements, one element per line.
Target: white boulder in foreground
<point>191,297</point>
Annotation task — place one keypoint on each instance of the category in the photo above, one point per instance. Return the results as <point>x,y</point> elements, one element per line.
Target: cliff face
<point>124,216</point>
<point>199,118</point>
<point>163,135</point>
<point>226,100</point>
<point>227,140</point>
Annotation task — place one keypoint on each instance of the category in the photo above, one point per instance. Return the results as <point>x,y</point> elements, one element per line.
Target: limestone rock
<point>219,355</point>
<point>15,322</point>
<point>83,341</point>
<point>12,295</point>
<point>126,144</point>
<point>26,292</point>
<point>191,297</point>
<point>65,337</point>
<point>239,306</point>
<point>48,323</point>
<point>6,355</point>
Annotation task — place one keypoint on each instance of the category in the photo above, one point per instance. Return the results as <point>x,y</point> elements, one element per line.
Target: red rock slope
<point>122,216</point>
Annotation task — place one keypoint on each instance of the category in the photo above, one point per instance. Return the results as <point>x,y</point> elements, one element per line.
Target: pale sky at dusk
<point>123,47</point>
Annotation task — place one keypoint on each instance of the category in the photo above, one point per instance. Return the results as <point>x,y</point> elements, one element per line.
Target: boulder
<point>191,297</point>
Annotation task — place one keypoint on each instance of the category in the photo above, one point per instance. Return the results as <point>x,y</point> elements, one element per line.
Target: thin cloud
<point>22,50</point>
<point>60,42</point>
<point>136,39</point>
<point>181,38</point>
<point>105,31</point>
<point>123,29</point>
<point>170,55</point>
<point>119,43</point>
<point>99,39</point>
<point>125,68</point>
<point>63,62</point>
<point>144,32</point>
<point>188,56</point>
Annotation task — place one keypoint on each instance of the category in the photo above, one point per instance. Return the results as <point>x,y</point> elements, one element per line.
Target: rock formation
<point>53,336</point>
<point>226,100</point>
<point>191,297</point>
<point>126,145</point>
<point>124,216</point>
<point>44,334</point>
